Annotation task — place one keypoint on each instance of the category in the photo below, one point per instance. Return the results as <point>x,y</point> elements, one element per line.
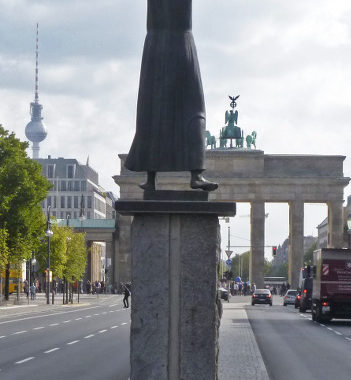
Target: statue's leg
<point>199,182</point>
<point>150,182</point>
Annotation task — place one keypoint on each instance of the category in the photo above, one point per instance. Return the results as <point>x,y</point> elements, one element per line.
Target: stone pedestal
<point>175,256</point>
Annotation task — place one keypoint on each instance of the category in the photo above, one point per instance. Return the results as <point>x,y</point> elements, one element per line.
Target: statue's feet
<point>150,183</point>
<point>147,186</point>
<point>203,184</point>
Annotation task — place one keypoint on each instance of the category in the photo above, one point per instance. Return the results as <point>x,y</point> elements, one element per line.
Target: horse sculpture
<point>210,140</point>
<point>251,140</point>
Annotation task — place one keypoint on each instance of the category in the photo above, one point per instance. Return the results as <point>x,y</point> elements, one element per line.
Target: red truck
<point>331,295</point>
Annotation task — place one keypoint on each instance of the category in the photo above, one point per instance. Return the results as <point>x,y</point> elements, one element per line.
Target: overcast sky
<point>289,61</point>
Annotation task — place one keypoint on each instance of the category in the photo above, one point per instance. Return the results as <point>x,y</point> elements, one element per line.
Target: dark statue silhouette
<point>171,119</point>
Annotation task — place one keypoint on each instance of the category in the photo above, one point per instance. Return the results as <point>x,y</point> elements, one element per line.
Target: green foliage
<point>68,254</point>
<point>22,188</point>
<point>308,257</point>
<point>3,249</point>
<point>278,271</point>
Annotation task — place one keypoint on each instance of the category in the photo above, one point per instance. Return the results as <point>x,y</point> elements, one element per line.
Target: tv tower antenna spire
<point>35,129</point>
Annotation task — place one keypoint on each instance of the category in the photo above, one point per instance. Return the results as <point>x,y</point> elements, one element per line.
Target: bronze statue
<point>171,120</point>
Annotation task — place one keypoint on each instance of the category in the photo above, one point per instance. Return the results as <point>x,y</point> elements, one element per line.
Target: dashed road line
<point>54,324</point>
<point>52,350</point>
<point>347,338</point>
<point>19,332</point>
<point>39,328</point>
<point>113,327</point>
<point>25,360</point>
<point>123,323</point>
<point>77,319</point>
<point>89,336</point>
<point>102,331</point>
<point>75,341</point>
<point>66,321</point>
<point>330,329</point>
<point>337,332</point>
<point>96,314</point>
<point>2,336</point>
<point>88,316</point>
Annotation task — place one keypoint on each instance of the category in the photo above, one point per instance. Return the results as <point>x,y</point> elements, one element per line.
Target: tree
<point>22,188</point>
<point>76,258</point>
<point>308,257</point>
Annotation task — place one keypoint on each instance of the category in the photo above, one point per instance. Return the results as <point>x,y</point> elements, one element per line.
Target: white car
<point>290,297</point>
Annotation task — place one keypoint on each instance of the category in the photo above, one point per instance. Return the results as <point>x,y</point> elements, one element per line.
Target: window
<point>69,185</point>
<point>54,201</point>
<point>55,185</point>
<point>76,186</point>
<point>83,186</point>
<point>75,200</point>
<point>49,201</point>
<point>69,202</point>
<point>62,215</point>
<point>75,214</point>
<point>70,171</point>
<point>63,185</point>
<point>88,215</point>
<point>54,214</point>
<point>50,171</point>
<point>89,201</point>
<point>62,202</point>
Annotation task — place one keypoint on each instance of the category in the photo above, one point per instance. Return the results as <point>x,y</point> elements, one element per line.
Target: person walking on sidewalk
<point>33,290</point>
<point>126,293</point>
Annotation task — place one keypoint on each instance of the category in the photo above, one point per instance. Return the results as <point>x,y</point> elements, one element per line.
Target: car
<point>306,294</point>
<point>223,294</point>
<point>297,300</point>
<point>261,296</point>
<point>290,297</point>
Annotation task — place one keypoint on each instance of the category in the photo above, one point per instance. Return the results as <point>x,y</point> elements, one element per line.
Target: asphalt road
<point>86,342</point>
<point>294,347</point>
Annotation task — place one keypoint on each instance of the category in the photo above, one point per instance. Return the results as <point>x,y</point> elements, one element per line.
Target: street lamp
<point>48,233</point>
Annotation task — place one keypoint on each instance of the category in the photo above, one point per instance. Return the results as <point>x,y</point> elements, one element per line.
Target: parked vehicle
<point>331,297</point>
<point>306,294</point>
<point>297,300</point>
<point>261,296</point>
<point>290,297</point>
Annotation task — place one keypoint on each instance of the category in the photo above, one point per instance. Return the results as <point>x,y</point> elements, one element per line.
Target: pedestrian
<point>33,289</point>
<point>126,293</point>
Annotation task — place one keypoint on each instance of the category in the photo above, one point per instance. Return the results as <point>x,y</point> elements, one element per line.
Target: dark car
<point>306,294</point>
<point>263,296</point>
<point>223,294</point>
<point>297,300</point>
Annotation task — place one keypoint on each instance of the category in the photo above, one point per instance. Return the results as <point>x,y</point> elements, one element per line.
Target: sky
<point>289,61</point>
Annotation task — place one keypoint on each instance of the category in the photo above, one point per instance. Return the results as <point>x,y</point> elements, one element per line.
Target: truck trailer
<point>331,295</point>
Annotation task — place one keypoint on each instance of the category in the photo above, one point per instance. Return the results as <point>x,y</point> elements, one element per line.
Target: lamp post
<point>48,233</point>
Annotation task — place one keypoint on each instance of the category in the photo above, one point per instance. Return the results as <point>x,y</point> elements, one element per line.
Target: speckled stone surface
<point>174,311</point>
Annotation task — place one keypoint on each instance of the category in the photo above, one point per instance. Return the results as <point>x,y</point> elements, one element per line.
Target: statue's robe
<point>170,125</point>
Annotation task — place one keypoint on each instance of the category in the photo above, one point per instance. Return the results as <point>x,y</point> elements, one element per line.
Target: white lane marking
<point>39,328</point>
<point>115,304</point>
<point>88,316</point>
<point>329,328</point>
<point>66,321</point>
<point>123,323</point>
<point>25,360</point>
<point>96,314</point>
<point>102,331</point>
<point>113,327</point>
<point>2,336</point>
<point>322,324</point>
<point>49,315</point>
<point>337,332</point>
<point>347,338</point>
<point>75,341</point>
<point>19,332</point>
<point>89,336</point>
<point>54,324</point>
<point>52,350</point>
<point>112,311</point>
<point>77,319</point>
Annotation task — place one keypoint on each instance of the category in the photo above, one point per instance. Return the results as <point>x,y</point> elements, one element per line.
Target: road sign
<point>229,253</point>
<point>229,262</point>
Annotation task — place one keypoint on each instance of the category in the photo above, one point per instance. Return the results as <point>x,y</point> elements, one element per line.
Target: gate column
<point>296,240</point>
<point>335,224</point>
<point>257,244</point>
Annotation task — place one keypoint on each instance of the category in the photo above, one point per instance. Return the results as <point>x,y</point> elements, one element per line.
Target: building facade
<point>76,191</point>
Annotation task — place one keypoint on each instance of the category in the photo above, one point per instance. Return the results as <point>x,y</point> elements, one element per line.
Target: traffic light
<point>274,250</point>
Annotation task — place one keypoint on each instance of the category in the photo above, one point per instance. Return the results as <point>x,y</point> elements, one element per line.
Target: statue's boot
<point>150,182</point>
<point>199,182</point>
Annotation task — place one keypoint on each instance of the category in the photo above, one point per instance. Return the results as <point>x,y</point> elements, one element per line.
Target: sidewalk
<point>239,355</point>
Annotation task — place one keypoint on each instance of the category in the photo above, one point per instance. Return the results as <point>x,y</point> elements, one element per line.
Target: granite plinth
<point>133,207</point>
<point>174,195</point>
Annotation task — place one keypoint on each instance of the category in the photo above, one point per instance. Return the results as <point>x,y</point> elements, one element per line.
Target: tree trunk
<point>7,281</point>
